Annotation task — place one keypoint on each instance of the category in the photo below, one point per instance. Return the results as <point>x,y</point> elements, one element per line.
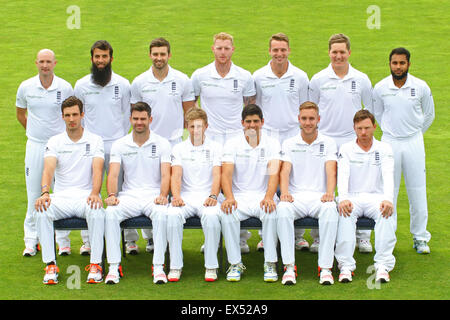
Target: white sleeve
<point>78,92</point>
<point>303,89</point>
<point>428,108</point>
<point>331,151</point>
<point>217,156</point>
<point>387,172</point>
<point>229,154</point>
<point>257,90</point>
<point>51,149</point>
<point>126,96</point>
<point>275,150</point>
<point>21,101</point>
<point>196,84</point>
<point>377,106</point>
<point>249,89</point>
<point>188,92</point>
<point>366,94</point>
<point>343,175</point>
<point>285,153</point>
<point>175,156</point>
<point>314,91</point>
<point>99,151</point>
<point>115,153</point>
<point>166,152</point>
<point>135,94</point>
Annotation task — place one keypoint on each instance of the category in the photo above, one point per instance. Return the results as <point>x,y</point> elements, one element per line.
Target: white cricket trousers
<point>64,206</point>
<point>367,205</point>
<point>409,158</point>
<point>210,219</point>
<point>133,204</point>
<point>248,205</point>
<point>34,165</point>
<point>308,204</point>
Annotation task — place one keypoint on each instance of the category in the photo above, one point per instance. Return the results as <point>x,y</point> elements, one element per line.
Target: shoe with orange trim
<point>114,276</point>
<point>325,276</point>
<point>95,273</point>
<point>290,275</point>
<point>159,276</point>
<point>51,274</point>
<point>346,276</point>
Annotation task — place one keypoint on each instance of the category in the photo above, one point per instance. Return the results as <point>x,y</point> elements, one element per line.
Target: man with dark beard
<point>106,99</point>
<point>404,108</point>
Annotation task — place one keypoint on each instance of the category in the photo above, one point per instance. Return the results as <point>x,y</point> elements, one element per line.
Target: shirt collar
<point>130,142</point>
<point>214,74</point>
<point>357,148</point>
<point>350,74</point>
<point>151,76</point>
<point>300,140</point>
<point>111,82</point>
<point>406,85</point>
<point>83,139</point>
<point>53,86</point>
<point>269,73</point>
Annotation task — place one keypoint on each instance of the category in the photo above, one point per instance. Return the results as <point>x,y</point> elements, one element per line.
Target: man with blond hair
<point>38,104</point>
<point>340,91</point>
<point>280,89</point>
<point>224,89</point>
<point>195,185</point>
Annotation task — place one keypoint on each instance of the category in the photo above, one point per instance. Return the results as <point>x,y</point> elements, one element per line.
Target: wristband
<point>111,194</point>
<point>213,196</point>
<point>44,193</point>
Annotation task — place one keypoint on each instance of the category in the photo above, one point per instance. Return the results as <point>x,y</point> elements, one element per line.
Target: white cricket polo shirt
<point>223,98</point>
<point>308,162</point>
<point>339,99</point>
<point>280,98</point>
<point>250,164</point>
<point>165,98</point>
<point>141,165</point>
<point>403,112</point>
<point>106,109</point>
<point>44,116</point>
<point>197,163</point>
<point>366,172</point>
<point>74,160</point>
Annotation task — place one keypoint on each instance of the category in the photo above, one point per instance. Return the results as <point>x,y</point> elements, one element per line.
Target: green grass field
<point>28,26</point>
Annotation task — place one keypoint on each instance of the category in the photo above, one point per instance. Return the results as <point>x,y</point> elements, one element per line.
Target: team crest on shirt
<point>58,97</point>
<point>291,86</point>
<point>153,153</point>
<point>173,91</point>
<point>377,160</point>
<point>413,92</point>
<point>116,93</point>
<point>235,86</point>
<point>88,150</point>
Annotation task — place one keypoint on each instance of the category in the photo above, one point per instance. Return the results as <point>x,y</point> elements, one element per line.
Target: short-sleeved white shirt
<point>165,98</point>
<point>106,109</point>
<point>366,172</point>
<point>308,162</point>
<point>250,164</point>
<point>280,98</point>
<point>44,117</point>
<point>141,165</point>
<point>74,160</point>
<point>339,99</point>
<point>403,112</point>
<point>222,98</point>
<point>197,163</point>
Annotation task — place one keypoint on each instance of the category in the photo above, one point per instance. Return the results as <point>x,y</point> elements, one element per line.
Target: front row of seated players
<point>249,178</point>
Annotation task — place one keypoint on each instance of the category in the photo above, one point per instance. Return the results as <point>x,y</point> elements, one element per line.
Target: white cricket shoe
<point>211,275</point>
<point>301,244</point>
<point>85,249</point>
<point>290,275</point>
<point>270,272</point>
<point>314,248</point>
<point>174,275</point>
<point>51,274</point>
<point>132,248</point>
<point>235,271</point>
<point>382,275</point>
<point>159,276</point>
<point>114,275</point>
<point>326,277</point>
<point>30,251</point>
<point>64,251</point>
<point>345,276</point>
<point>364,246</point>
<point>95,273</point>
<point>421,246</point>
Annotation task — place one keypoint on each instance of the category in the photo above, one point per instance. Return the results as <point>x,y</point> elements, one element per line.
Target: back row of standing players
<point>402,104</point>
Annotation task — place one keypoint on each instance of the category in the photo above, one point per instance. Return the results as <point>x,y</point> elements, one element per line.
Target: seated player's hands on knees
<point>345,208</point>
<point>287,197</point>
<point>161,200</point>
<point>42,203</point>
<point>327,197</point>
<point>177,202</point>
<point>112,200</point>
<point>268,205</point>
<point>386,208</point>
<point>210,202</point>
<point>229,205</point>
<point>95,201</point>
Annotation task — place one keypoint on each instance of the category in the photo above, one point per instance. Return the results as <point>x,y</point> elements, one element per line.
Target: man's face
<point>140,121</point>
<point>309,120</point>
<point>252,125</point>
<point>279,51</point>
<point>197,130</point>
<point>364,130</point>
<point>101,58</point>
<point>45,62</point>
<point>72,117</point>
<point>160,57</point>
<point>339,55</point>
<point>399,66</point>
<point>223,50</point>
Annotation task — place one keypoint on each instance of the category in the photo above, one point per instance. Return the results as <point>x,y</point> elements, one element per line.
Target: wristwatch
<point>213,196</point>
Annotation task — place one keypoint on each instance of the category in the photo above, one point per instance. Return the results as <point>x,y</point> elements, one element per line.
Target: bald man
<point>38,110</point>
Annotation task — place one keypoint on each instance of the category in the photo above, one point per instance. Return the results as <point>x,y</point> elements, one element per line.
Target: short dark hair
<point>102,45</point>
<point>70,102</point>
<point>250,110</point>
<point>362,115</point>
<point>141,106</point>
<point>159,42</point>
<point>400,51</point>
